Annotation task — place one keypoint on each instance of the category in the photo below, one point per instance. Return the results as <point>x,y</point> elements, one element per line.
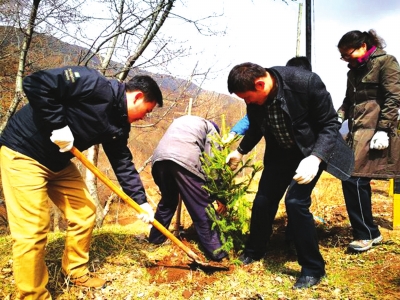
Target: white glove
<point>148,216</point>
<point>340,120</point>
<point>380,140</point>
<point>63,138</point>
<point>307,169</point>
<point>233,159</point>
<point>228,138</point>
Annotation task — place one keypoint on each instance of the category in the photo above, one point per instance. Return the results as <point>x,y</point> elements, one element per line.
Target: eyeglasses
<point>346,57</point>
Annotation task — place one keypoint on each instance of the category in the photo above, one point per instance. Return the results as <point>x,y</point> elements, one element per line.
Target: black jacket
<point>92,106</point>
<point>312,120</point>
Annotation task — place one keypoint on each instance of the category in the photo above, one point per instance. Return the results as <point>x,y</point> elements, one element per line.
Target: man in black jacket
<point>71,106</point>
<point>293,111</point>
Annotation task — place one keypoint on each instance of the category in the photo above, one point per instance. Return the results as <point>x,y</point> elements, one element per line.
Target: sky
<point>265,32</point>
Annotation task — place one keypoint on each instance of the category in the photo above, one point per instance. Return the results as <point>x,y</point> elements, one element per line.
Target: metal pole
<point>308,29</point>
<point>299,29</point>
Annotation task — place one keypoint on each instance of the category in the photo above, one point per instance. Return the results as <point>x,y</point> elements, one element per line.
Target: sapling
<point>231,188</point>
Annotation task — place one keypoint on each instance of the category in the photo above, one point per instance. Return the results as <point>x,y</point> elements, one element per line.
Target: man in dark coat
<point>71,106</point>
<point>293,111</point>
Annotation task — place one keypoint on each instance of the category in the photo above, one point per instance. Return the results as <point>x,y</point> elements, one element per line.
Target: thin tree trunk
<point>93,152</point>
<point>91,182</point>
<point>151,32</point>
<point>19,94</point>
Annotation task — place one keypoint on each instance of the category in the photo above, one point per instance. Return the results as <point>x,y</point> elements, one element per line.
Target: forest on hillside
<point>32,38</point>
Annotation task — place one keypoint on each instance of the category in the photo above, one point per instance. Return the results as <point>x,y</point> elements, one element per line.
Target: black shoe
<point>246,260</point>
<point>307,281</point>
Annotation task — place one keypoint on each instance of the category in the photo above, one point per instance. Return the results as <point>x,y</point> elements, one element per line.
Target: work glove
<point>221,209</point>
<point>228,138</point>
<point>307,169</point>
<point>63,138</point>
<point>148,216</point>
<point>379,141</point>
<point>233,159</point>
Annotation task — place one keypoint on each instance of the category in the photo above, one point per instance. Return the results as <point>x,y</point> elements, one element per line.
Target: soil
<point>176,267</point>
<point>332,226</point>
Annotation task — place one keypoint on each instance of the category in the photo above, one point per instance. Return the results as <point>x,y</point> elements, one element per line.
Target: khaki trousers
<point>27,187</point>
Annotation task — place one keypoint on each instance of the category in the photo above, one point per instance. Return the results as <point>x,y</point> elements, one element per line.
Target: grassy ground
<point>138,270</point>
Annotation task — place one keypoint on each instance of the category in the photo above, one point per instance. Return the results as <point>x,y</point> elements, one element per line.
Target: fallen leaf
<point>187,294</point>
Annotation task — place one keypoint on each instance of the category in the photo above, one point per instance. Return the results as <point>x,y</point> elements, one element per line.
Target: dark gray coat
<point>184,142</point>
<point>313,119</point>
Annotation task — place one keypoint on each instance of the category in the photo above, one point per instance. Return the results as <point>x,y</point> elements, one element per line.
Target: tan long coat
<point>372,102</point>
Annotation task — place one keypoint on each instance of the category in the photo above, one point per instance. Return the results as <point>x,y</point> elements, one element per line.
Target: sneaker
<point>377,240</point>
<point>364,245</point>
<point>88,280</point>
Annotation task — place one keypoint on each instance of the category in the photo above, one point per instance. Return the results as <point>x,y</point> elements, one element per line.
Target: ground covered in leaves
<point>135,269</point>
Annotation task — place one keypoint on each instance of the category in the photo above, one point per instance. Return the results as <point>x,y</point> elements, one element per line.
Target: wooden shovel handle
<point>132,203</point>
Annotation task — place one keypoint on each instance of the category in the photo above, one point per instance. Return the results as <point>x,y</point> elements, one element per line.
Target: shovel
<point>137,207</point>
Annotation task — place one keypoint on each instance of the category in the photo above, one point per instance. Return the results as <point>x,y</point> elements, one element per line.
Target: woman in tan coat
<point>371,107</point>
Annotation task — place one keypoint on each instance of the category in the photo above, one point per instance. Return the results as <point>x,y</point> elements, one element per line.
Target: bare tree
<point>156,20</point>
<point>28,32</point>
<point>150,24</point>
<point>93,152</point>
<point>28,16</point>
<point>127,37</point>
<point>132,23</point>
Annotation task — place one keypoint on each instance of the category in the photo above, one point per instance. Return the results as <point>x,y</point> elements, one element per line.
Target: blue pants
<point>357,195</point>
<point>275,180</point>
<point>172,180</point>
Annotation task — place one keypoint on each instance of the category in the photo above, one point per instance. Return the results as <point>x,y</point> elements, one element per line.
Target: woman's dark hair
<point>354,40</point>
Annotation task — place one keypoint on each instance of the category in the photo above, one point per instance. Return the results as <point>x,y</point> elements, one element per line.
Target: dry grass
<point>138,270</point>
